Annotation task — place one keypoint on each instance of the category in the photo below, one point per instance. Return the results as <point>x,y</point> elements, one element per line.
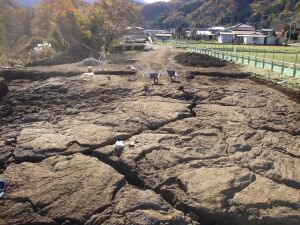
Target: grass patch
<point>281,53</point>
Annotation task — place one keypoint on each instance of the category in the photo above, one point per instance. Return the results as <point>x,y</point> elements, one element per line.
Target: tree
<point>193,34</point>
<point>67,24</point>
<point>74,21</point>
<point>179,33</point>
<point>117,15</point>
<point>14,23</point>
<point>65,17</point>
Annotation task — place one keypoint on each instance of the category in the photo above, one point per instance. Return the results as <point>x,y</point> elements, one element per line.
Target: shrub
<point>42,51</point>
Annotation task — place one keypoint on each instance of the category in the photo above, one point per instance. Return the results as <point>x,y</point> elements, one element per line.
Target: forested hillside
<point>32,3</point>
<point>205,13</point>
<point>62,25</point>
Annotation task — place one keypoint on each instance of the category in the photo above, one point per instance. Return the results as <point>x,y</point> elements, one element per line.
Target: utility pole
<point>291,21</point>
<point>261,20</point>
<point>290,33</point>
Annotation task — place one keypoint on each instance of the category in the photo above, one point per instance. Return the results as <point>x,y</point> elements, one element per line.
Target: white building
<point>216,30</point>
<point>204,32</point>
<point>163,37</point>
<point>271,40</point>
<point>225,37</point>
<point>242,27</point>
<point>253,39</point>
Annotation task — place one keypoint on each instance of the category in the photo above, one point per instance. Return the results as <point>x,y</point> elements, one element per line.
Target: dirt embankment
<point>211,150</point>
<point>201,60</point>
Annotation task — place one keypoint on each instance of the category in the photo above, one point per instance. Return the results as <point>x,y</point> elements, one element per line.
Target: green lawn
<point>281,53</point>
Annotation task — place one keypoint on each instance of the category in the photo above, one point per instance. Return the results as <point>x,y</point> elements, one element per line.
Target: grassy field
<point>287,54</point>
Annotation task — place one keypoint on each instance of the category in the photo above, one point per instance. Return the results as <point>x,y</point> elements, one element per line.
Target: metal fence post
<point>249,57</point>
<point>264,60</point>
<point>227,54</point>
<point>282,68</point>
<point>242,58</point>
<point>272,68</point>
<point>295,67</point>
<point>255,58</point>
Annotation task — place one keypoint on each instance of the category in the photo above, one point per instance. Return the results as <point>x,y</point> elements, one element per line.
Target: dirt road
<point>201,150</point>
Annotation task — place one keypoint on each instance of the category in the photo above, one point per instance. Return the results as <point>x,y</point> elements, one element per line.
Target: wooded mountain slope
<point>205,13</point>
<point>32,3</point>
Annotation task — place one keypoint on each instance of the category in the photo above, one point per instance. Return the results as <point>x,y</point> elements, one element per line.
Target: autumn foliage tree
<point>75,21</point>
<point>66,23</point>
<point>15,30</point>
<point>12,28</point>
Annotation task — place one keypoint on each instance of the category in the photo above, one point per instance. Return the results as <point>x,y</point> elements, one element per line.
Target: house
<point>216,30</point>
<point>163,36</point>
<point>134,38</point>
<point>204,35</point>
<point>150,32</point>
<point>134,35</point>
<point>241,27</point>
<point>267,32</point>
<point>135,30</point>
<point>203,32</point>
<point>241,30</point>
<point>234,33</point>
<point>246,34</point>
<point>271,38</point>
<point>253,39</point>
<point>225,37</point>
<point>210,33</point>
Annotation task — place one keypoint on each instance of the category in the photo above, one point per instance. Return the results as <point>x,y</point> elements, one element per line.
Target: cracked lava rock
<point>229,154</point>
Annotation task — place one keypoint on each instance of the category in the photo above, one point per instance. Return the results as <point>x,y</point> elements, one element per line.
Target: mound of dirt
<point>89,62</point>
<point>195,59</point>
<point>128,47</point>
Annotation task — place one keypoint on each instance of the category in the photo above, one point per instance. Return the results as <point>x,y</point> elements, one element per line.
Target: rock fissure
<point>287,182</point>
<point>203,149</point>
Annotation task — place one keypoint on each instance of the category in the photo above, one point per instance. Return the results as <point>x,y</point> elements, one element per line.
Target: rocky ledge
<point>207,151</point>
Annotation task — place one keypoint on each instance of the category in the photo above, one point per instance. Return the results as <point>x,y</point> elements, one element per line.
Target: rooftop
<point>269,30</point>
<point>164,35</point>
<point>216,28</point>
<point>226,33</point>
<point>245,32</point>
<point>242,26</point>
<point>252,35</point>
<point>205,32</point>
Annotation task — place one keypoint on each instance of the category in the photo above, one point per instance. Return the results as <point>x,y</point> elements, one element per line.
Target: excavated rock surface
<point>77,189</point>
<point>209,151</point>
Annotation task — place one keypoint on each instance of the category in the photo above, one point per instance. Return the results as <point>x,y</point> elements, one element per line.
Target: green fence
<point>251,58</point>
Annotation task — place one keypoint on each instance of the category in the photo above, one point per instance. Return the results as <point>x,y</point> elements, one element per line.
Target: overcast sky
<point>150,1</point>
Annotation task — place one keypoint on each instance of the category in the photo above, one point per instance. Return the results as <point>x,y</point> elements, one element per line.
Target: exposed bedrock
<point>79,189</point>
<point>215,151</point>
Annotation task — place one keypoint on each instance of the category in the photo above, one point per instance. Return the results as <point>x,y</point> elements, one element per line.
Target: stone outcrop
<point>209,151</point>
<point>74,189</point>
